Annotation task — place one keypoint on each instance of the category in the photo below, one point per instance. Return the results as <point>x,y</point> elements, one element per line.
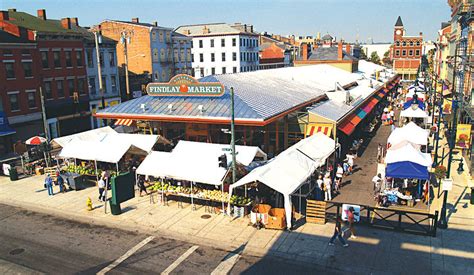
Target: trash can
<point>13,174</point>
<point>115,208</point>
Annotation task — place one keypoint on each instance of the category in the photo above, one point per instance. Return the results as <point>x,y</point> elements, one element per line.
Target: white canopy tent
<point>410,153</point>
<point>92,135</point>
<point>154,163</point>
<point>417,113</point>
<point>288,171</point>
<point>409,133</point>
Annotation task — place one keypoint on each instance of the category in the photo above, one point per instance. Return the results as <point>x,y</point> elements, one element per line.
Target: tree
<point>363,56</point>
<point>386,58</point>
<point>374,58</point>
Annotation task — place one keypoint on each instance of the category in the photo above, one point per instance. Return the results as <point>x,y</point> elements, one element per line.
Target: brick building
<point>274,55</point>
<point>62,73</point>
<point>406,52</point>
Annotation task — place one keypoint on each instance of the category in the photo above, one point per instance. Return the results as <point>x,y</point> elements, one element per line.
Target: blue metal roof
<point>259,95</point>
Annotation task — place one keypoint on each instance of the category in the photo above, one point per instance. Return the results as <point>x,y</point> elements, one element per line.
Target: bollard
<point>472,195</point>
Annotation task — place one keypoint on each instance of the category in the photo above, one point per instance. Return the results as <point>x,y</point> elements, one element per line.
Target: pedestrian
<point>319,191</point>
<point>345,166</point>
<point>351,219</point>
<point>141,185</point>
<point>101,185</point>
<point>392,115</point>
<point>327,188</point>
<point>350,160</point>
<point>339,173</point>
<point>377,180</point>
<point>338,234</point>
<point>48,183</point>
<point>62,189</point>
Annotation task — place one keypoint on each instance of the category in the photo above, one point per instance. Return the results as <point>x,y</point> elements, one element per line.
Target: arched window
<point>404,43</point>
<point>418,43</point>
<point>162,54</point>
<point>411,43</point>
<point>155,54</point>
<point>397,43</point>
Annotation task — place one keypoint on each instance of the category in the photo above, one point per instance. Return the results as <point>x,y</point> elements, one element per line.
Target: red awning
<point>347,128</point>
<point>316,128</point>
<point>124,122</point>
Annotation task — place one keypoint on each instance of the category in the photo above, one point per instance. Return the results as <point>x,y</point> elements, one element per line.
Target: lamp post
<point>98,40</point>
<point>232,131</point>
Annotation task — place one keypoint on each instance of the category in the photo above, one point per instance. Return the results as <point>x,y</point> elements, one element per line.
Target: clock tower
<point>398,31</point>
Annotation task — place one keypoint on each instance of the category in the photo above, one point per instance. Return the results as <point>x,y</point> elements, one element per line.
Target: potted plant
<point>440,172</point>
<point>462,140</point>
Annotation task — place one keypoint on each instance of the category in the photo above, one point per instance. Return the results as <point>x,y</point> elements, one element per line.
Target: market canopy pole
<point>232,124</point>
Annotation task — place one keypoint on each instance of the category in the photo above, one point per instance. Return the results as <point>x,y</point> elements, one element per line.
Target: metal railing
<point>413,222</point>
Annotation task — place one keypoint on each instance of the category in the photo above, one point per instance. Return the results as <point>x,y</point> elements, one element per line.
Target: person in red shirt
<point>351,219</point>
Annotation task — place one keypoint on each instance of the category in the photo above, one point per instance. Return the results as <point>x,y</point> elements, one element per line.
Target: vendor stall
<point>411,133</point>
<point>288,171</point>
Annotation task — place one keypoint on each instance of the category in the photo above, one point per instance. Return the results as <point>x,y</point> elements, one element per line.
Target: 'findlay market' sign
<point>185,85</point>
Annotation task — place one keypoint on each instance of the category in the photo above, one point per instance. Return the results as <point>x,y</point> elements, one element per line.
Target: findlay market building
<point>270,106</point>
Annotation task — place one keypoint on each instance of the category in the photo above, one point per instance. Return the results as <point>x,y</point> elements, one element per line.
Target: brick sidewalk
<point>375,251</point>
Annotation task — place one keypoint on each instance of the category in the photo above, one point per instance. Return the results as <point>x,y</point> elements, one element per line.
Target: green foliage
<point>374,58</point>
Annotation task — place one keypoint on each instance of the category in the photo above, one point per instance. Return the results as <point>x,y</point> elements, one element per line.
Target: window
<point>79,62</point>
<point>223,70</point>
<point>234,70</point>
<point>7,53</point>
<point>163,75</point>
<point>10,70</point>
<point>113,83</point>
<point>417,52</point>
<point>213,71</point>
<point>155,55</point>
<point>404,52</point>
<point>47,90</point>
<point>68,59</point>
<point>234,42</point>
<point>212,57</point>
<point>57,60</point>
<point>71,87</point>
<point>212,43</point>
<point>201,57</point>
<point>240,42</point>
<point>111,59</point>
<point>222,42</point>
<point>14,104</point>
<point>397,43</point>
<point>202,71</point>
<point>153,36</point>
<point>161,36</point>
<point>162,54</point>
<point>410,52</point>
<point>241,56</point>
<point>189,55</point>
<point>44,60</point>
<point>192,44</point>
<point>418,43</point>
<point>192,57</point>
<point>404,43</point>
<point>104,84</point>
<point>31,99</point>
<point>234,56</point>
<point>182,56</point>
<point>92,88</point>
<point>397,53</point>
<point>60,88</point>
<point>223,56</point>
<point>175,54</point>
<point>101,59</point>
<point>90,59</point>
<point>200,43</point>
<point>28,69</point>
<point>81,86</point>
<point>411,43</point>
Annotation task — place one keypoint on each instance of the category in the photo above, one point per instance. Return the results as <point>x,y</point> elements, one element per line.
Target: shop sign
<point>345,210</point>
<point>447,184</point>
<point>185,85</point>
<point>463,136</point>
<point>447,107</point>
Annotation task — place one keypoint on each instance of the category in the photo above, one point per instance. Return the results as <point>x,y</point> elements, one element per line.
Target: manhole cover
<point>17,251</point>
<point>206,216</point>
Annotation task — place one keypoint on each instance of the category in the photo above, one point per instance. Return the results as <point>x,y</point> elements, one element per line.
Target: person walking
<point>327,188</point>
<point>339,173</point>
<point>377,181</point>
<point>338,234</point>
<point>62,189</point>
<point>320,189</point>
<point>141,185</point>
<point>351,219</point>
<point>101,185</point>
<point>48,182</point>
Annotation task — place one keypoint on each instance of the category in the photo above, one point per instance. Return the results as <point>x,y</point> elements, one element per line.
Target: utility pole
<point>124,39</point>
<point>43,114</point>
<point>232,131</point>
<point>99,69</point>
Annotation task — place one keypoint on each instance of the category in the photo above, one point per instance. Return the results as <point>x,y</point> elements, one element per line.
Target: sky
<point>343,19</point>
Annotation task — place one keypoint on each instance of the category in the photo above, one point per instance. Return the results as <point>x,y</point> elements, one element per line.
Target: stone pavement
<point>374,251</point>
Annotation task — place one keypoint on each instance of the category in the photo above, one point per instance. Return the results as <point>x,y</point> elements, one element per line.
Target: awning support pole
<point>192,196</point>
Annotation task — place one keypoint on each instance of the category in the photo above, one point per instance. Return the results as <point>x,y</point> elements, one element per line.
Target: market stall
<point>288,171</point>
<point>409,133</point>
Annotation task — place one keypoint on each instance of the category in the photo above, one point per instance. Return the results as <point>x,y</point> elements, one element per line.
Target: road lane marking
<point>226,264</point>
<point>179,260</point>
<point>126,255</point>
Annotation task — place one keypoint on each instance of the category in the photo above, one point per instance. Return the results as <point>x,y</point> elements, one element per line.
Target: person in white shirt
<point>320,189</point>
<point>327,188</point>
<point>339,173</point>
<point>350,160</point>
<point>101,185</point>
<point>377,180</point>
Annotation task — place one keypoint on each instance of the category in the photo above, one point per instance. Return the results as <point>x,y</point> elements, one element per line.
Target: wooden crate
<point>315,211</point>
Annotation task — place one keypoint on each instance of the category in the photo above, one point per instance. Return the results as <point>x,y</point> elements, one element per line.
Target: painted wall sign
<point>185,85</point>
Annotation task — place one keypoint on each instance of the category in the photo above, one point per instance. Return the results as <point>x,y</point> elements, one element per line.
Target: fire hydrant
<point>89,204</point>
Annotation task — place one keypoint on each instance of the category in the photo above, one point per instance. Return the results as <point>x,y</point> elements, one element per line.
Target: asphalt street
<point>37,243</point>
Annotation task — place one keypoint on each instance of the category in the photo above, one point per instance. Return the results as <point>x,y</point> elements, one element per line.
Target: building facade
<point>406,52</point>
<point>221,48</point>
<point>62,70</point>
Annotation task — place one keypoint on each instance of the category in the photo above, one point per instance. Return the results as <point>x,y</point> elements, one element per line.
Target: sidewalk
<point>374,251</point>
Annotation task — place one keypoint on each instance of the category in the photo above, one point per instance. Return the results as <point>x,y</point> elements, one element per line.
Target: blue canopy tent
<point>410,102</point>
<point>407,170</point>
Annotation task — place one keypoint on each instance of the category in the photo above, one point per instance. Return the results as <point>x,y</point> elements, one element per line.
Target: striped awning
<point>316,128</point>
<point>124,122</point>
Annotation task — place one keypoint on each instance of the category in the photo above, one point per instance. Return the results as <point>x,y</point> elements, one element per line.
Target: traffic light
<point>223,161</point>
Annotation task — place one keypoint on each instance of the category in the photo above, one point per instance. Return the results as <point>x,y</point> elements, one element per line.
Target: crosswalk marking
<point>179,260</point>
<point>125,256</point>
<point>226,264</point>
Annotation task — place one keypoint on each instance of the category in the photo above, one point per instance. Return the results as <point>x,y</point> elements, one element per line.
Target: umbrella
<point>35,140</point>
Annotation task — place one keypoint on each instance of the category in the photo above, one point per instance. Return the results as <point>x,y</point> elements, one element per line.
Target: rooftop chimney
<point>205,30</point>
<point>4,16</point>
<point>12,10</point>
<point>75,21</point>
<point>66,23</point>
<point>135,20</point>
<point>155,23</point>
<point>304,51</point>
<point>41,14</point>
<point>339,50</point>
<point>348,48</point>
<point>421,34</point>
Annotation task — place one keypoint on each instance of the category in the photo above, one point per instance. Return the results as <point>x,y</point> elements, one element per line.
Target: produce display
<point>86,170</point>
<point>214,195</point>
